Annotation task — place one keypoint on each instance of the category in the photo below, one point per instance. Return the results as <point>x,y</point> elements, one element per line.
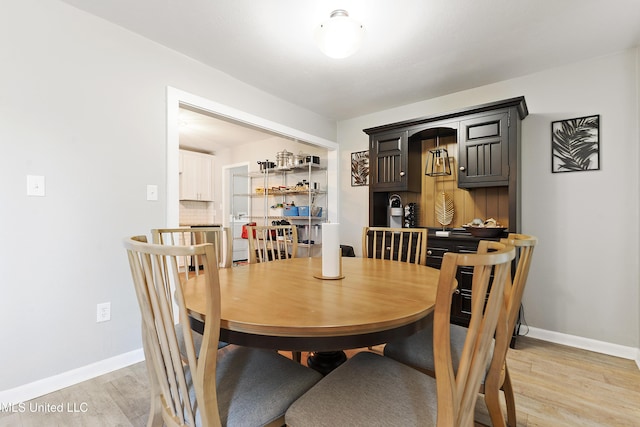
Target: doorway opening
<point>177,99</point>
<point>235,182</point>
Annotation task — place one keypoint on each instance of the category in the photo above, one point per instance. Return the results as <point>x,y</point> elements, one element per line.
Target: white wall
<point>84,103</point>
<point>585,280</point>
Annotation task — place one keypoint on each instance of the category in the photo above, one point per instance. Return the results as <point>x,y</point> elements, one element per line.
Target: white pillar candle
<point>330,250</point>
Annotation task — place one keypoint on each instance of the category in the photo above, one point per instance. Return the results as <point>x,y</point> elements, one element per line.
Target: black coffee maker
<point>395,213</point>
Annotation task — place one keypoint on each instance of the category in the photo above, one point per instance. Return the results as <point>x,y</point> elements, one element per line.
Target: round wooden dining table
<point>283,305</point>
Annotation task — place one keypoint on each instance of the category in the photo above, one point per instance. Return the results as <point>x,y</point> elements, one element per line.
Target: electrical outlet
<point>103,312</point>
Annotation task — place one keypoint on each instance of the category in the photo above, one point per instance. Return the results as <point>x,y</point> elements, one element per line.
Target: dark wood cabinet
<point>461,300</point>
<point>487,172</point>
<point>483,150</point>
<point>393,164</point>
<point>488,145</point>
<point>436,248</point>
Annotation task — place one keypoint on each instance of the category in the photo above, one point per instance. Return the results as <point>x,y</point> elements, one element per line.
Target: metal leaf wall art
<point>575,144</point>
<point>444,209</point>
<point>359,168</point>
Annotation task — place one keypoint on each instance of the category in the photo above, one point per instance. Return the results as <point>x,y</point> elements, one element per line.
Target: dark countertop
<point>460,234</point>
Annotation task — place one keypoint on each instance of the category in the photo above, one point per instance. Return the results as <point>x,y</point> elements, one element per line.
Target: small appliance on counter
<point>411,215</point>
<point>395,212</point>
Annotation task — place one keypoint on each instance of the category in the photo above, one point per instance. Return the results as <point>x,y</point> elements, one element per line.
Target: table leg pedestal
<point>326,361</point>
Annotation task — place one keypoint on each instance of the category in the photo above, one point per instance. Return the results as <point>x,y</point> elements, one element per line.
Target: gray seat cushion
<point>417,349</point>
<point>368,390</point>
<point>197,341</point>
<point>255,387</point>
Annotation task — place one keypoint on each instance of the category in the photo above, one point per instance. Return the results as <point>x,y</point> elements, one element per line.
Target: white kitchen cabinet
<point>196,176</point>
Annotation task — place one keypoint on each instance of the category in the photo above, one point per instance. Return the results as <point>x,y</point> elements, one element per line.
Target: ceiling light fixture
<point>339,36</point>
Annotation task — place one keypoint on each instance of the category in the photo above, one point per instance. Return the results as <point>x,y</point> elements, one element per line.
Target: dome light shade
<point>339,36</point>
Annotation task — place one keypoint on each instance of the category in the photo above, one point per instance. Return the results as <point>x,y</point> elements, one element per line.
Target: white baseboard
<point>69,378</point>
<point>75,376</point>
<point>586,344</point>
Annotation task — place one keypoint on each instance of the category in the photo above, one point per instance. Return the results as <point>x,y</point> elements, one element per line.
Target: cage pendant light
<point>438,163</point>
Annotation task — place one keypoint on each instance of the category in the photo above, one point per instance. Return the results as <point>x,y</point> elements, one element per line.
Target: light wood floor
<point>555,386</point>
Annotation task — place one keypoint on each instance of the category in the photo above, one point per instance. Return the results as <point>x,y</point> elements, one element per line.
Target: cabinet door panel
<point>196,176</point>
<point>389,167</point>
<point>484,159</point>
<point>390,144</point>
<point>483,129</point>
<point>206,178</point>
<point>388,158</point>
<point>484,151</point>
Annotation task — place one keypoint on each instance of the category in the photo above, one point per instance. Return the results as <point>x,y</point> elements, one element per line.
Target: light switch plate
<point>35,185</point>
<point>152,192</point>
<point>103,312</point>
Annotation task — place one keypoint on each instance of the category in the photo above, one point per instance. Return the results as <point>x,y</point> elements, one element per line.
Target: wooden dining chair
<point>272,242</point>
<point>400,244</point>
<point>417,350</point>
<point>370,389</point>
<point>219,236</point>
<point>232,386</point>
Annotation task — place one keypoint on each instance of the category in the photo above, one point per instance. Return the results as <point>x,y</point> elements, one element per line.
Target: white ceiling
<point>413,49</point>
<point>200,131</point>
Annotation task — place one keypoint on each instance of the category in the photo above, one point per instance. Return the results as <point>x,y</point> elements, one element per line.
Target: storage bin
<point>314,211</point>
<point>276,211</point>
<point>290,211</point>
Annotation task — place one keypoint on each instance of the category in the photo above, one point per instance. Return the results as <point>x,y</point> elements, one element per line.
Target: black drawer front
<point>434,256</point>
<point>461,299</point>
